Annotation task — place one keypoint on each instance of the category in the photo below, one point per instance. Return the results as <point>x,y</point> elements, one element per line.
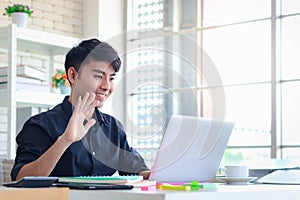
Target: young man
<point>75,138</point>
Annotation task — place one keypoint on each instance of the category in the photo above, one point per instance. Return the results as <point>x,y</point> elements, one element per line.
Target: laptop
<point>191,149</point>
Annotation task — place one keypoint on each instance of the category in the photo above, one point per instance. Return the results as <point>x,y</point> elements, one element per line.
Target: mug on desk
<point>235,171</point>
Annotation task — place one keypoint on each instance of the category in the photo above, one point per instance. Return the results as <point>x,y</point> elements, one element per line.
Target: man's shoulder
<point>52,113</point>
<point>51,122</point>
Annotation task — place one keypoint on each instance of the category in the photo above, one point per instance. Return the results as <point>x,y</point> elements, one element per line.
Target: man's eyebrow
<point>102,72</point>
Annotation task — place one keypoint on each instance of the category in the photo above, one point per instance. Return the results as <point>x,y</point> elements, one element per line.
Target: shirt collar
<point>67,106</point>
<point>101,117</point>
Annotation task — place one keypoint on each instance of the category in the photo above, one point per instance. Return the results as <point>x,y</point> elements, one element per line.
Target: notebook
<point>289,177</point>
<point>32,182</point>
<point>101,179</point>
<point>191,149</point>
<point>82,186</point>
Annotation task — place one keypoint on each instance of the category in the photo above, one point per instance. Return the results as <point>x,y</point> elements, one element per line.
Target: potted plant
<point>59,80</point>
<point>19,14</point>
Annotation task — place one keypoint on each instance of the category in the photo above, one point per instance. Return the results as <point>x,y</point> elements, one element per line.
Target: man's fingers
<point>90,104</point>
<point>78,104</point>
<point>84,102</point>
<point>91,109</point>
<point>89,124</point>
<point>87,103</point>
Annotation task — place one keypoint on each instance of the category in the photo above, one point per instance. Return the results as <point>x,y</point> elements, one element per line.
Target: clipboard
<point>32,182</point>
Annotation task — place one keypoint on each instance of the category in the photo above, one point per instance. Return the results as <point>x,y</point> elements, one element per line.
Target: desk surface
<point>34,193</point>
<point>223,192</point>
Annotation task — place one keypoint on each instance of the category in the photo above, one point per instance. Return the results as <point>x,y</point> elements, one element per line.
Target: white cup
<point>236,171</point>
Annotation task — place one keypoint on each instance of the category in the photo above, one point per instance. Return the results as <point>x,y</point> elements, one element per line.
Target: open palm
<point>81,120</point>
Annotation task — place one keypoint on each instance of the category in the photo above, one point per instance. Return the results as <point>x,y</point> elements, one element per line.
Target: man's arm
<point>75,130</point>
<point>45,163</point>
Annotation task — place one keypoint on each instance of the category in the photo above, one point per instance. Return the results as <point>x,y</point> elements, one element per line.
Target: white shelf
<point>32,98</point>
<point>16,39</point>
<point>35,41</point>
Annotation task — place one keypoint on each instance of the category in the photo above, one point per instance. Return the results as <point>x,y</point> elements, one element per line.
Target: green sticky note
<point>207,186</point>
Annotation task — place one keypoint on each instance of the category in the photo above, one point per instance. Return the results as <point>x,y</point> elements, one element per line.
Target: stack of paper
<point>28,78</point>
<point>282,177</point>
<point>26,71</point>
<point>101,179</point>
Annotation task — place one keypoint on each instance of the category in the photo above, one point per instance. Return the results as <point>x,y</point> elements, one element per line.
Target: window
<point>173,45</point>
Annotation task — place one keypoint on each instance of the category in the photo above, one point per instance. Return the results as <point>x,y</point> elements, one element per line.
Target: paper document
<point>282,177</point>
<point>101,179</point>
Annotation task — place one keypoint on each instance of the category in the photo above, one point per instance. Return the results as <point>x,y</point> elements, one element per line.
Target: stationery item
<point>101,179</point>
<point>167,186</point>
<point>191,149</point>
<point>260,168</point>
<point>289,177</point>
<point>195,186</point>
<point>143,183</point>
<point>32,182</point>
<point>94,186</point>
<point>192,186</point>
<point>207,186</point>
<point>148,188</point>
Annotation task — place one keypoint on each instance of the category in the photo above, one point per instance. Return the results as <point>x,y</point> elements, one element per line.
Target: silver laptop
<point>191,149</point>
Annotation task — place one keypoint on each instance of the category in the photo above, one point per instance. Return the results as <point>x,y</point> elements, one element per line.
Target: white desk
<point>223,192</point>
<point>34,193</point>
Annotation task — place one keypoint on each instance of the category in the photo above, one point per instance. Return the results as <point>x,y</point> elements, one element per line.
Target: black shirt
<point>102,151</point>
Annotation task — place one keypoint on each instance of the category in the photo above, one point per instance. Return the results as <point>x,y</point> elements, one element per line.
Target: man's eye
<point>98,76</point>
<point>112,78</point>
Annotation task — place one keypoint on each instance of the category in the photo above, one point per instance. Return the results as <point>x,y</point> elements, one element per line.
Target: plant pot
<point>64,89</point>
<point>20,19</point>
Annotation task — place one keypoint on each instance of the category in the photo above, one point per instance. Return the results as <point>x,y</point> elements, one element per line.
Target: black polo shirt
<point>102,151</point>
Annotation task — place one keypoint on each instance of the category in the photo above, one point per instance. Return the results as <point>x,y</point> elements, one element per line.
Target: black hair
<point>92,49</point>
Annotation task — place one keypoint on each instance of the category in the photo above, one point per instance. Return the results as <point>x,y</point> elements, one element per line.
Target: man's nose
<point>104,83</point>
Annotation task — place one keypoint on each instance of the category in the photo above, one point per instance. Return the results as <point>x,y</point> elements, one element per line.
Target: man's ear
<point>72,73</point>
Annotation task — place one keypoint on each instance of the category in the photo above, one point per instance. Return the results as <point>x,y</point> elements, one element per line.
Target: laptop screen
<point>191,149</point>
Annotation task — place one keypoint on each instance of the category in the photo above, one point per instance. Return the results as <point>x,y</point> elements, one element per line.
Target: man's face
<point>94,77</point>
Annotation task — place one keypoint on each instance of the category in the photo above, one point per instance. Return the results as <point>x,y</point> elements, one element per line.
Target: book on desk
<point>101,179</point>
<point>134,181</point>
<point>283,177</point>
<point>79,182</point>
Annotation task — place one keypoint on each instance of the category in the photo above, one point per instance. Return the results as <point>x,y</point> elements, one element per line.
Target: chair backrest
<point>6,166</point>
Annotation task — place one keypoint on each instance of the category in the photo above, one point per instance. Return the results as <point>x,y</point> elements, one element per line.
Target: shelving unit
<point>16,39</point>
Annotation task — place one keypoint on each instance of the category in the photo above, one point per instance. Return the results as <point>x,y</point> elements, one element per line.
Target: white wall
<point>56,16</point>
<point>104,19</point>
<point>90,18</point>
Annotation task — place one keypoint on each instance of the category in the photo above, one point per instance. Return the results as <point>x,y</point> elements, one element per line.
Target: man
<point>75,138</point>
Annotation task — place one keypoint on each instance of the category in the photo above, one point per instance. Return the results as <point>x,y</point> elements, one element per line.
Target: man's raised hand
<point>81,120</point>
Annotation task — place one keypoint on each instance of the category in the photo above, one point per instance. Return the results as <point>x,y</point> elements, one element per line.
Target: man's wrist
<point>65,142</point>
